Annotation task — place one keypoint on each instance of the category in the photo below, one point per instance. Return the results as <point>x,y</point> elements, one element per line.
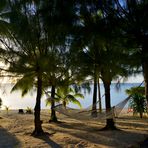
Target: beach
<point>16,129</point>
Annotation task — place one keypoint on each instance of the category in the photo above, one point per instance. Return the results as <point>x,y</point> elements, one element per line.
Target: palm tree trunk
<point>38,123</point>
<point>141,114</point>
<point>94,107</point>
<point>53,117</point>
<point>145,73</point>
<point>110,125</point>
<point>99,96</point>
<point>145,69</point>
<point>64,104</point>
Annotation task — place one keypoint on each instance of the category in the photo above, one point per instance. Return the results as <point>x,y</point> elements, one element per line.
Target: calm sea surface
<point>15,101</point>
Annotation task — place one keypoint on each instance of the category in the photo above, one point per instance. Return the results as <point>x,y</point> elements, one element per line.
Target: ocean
<point>14,100</point>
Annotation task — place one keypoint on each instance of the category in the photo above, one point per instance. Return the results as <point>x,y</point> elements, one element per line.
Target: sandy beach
<point>15,132</point>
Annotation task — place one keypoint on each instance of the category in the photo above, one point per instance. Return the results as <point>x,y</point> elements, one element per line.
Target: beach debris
<point>21,111</point>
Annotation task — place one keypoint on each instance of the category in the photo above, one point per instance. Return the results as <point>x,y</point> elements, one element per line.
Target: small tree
<point>69,95</point>
<point>7,109</point>
<point>138,100</point>
<point>66,95</point>
<point>29,110</point>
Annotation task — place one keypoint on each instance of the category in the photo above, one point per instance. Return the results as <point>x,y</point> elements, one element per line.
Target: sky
<point>135,79</point>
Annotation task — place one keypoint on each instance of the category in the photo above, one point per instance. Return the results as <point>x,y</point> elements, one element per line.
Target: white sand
<point>15,131</point>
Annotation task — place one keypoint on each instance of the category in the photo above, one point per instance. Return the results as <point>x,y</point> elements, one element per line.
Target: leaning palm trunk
<point>64,104</point>
<point>53,117</point>
<point>145,73</point>
<point>99,96</point>
<point>94,107</point>
<point>38,124</point>
<point>141,114</point>
<point>109,121</point>
<point>145,70</point>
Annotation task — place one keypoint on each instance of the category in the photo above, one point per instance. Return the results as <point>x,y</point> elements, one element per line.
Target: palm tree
<point>55,74</point>
<point>100,40</point>
<point>110,70</point>
<point>25,53</point>
<point>7,109</point>
<point>99,97</point>
<point>40,32</point>
<point>58,21</point>
<point>60,78</point>
<point>53,117</point>
<point>88,42</point>
<point>133,17</point>
<point>138,100</point>
<point>66,95</point>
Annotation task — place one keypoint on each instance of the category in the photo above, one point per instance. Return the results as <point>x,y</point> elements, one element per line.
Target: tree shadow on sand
<point>120,137</point>
<point>46,138</point>
<point>125,123</point>
<point>7,140</point>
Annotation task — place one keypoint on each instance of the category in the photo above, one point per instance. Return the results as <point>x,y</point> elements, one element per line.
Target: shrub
<point>138,100</point>
<point>7,109</point>
<point>29,110</point>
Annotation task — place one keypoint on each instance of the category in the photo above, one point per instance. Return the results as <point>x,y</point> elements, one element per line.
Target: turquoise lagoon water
<point>15,101</point>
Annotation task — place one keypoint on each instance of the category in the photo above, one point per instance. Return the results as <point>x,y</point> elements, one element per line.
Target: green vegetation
<point>49,45</point>
<point>138,100</point>
<point>66,95</point>
<point>7,109</point>
<point>29,110</point>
